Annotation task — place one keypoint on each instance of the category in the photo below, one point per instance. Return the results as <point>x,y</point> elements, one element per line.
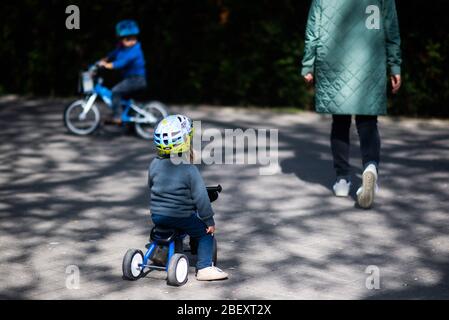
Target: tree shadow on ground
<point>409,245</point>
<point>281,237</point>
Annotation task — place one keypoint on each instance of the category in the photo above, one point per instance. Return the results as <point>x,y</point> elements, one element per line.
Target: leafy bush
<point>209,51</point>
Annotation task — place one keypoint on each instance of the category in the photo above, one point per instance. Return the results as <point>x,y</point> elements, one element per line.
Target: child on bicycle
<point>179,198</point>
<point>127,57</point>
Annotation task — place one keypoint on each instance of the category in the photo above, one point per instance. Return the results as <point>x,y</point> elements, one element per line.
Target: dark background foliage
<point>229,52</point>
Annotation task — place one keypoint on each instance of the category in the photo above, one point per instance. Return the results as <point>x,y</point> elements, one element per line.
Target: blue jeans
<point>196,229</point>
<point>125,87</point>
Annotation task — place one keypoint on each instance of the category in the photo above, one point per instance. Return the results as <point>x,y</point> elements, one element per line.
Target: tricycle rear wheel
<point>215,253</point>
<point>131,266</point>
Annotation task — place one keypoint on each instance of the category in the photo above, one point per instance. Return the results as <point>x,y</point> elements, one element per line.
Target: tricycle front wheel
<point>178,270</point>
<point>132,264</point>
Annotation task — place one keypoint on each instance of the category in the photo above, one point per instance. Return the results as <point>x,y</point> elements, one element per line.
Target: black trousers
<point>340,142</point>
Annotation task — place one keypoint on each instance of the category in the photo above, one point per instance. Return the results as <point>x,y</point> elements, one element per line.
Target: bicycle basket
<point>86,83</point>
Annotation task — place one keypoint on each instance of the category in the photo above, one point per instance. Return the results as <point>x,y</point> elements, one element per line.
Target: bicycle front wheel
<point>146,129</point>
<point>79,123</point>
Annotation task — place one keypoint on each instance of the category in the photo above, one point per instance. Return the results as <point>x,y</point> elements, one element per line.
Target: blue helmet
<point>127,28</point>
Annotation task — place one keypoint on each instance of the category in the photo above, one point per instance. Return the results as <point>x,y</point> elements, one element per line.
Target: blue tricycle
<point>82,117</point>
<point>165,253</point>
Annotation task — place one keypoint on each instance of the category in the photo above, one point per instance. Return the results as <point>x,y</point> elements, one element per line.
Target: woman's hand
<point>210,230</point>
<point>396,83</point>
<point>308,78</point>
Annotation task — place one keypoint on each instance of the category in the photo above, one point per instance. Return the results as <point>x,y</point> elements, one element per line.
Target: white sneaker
<point>369,188</point>
<point>341,188</point>
<point>211,274</point>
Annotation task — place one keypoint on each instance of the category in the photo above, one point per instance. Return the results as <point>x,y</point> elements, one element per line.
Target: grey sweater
<point>178,191</point>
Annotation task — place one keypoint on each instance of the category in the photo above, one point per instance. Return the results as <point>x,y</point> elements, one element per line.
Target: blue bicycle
<point>82,117</point>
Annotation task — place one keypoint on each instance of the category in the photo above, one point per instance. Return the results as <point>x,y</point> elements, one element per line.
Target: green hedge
<point>203,51</point>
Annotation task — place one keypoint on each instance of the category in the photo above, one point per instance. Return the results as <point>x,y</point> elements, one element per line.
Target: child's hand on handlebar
<point>210,230</point>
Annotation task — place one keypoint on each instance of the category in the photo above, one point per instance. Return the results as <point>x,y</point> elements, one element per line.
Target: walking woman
<point>351,48</point>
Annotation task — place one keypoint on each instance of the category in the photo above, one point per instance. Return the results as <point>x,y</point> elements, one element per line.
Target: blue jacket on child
<point>131,60</point>
<point>178,191</point>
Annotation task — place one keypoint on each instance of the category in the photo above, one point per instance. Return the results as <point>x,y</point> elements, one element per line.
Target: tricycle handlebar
<point>215,189</point>
<point>213,192</point>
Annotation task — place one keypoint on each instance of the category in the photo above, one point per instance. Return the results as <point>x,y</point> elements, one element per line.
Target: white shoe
<point>369,188</point>
<point>211,274</point>
<point>341,188</point>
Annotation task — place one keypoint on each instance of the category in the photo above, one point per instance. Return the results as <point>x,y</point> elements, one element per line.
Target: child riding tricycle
<point>180,206</point>
<point>166,252</point>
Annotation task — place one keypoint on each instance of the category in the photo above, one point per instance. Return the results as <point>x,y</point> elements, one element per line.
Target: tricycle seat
<point>163,236</point>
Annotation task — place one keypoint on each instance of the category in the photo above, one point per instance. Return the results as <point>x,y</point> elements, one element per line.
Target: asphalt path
<point>78,203</point>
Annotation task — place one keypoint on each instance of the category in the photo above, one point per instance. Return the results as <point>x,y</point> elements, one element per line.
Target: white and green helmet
<point>173,135</point>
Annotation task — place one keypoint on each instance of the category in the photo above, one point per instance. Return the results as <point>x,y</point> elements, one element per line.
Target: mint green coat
<point>349,45</point>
